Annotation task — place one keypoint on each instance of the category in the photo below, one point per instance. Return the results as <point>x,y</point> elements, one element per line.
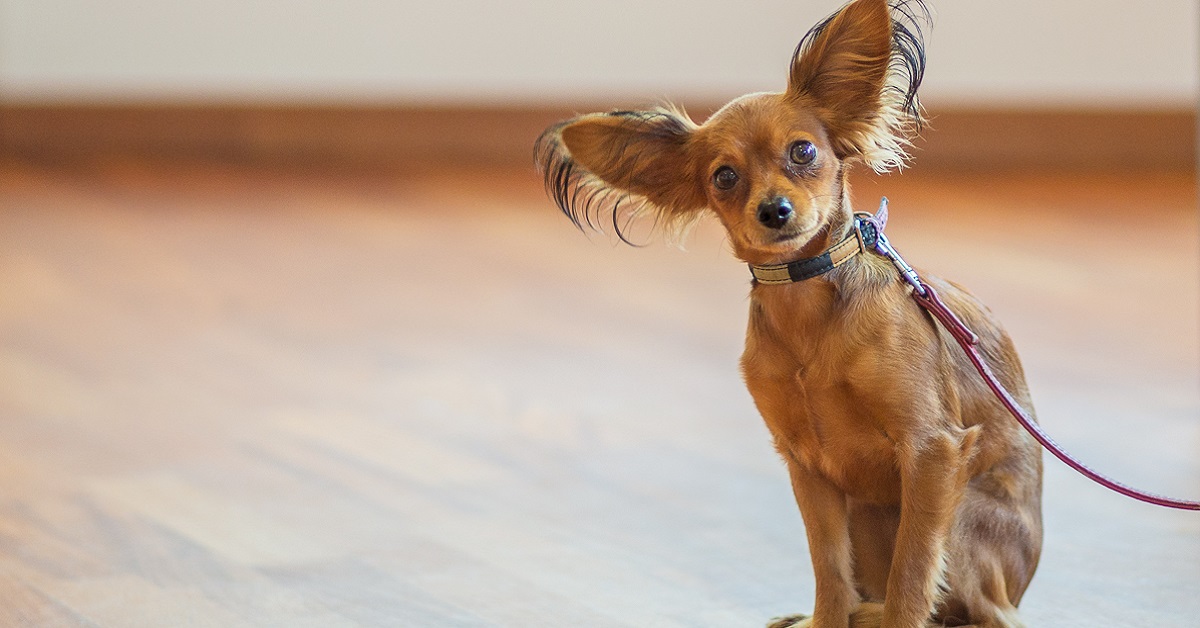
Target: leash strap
<point>968,341</point>
<point>928,298</point>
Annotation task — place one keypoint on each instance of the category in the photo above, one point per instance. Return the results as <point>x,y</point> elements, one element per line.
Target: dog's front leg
<point>823,507</point>
<point>933,474</point>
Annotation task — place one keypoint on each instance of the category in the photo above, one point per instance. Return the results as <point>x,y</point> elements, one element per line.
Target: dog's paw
<point>791,621</point>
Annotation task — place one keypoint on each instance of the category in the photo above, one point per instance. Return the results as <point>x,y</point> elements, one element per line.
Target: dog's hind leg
<point>790,621</point>
<point>865,615</point>
<point>992,555</point>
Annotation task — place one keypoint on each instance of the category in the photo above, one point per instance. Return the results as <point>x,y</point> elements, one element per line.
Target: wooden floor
<point>244,397</point>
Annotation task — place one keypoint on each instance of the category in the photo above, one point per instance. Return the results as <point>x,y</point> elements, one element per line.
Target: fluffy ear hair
<point>860,68</point>
<point>622,164</point>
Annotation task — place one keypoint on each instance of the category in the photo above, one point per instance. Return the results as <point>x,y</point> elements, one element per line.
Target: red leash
<point>871,228</point>
<point>968,340</point>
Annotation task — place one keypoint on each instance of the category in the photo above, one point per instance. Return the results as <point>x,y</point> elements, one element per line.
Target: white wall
<point>1090,52</point>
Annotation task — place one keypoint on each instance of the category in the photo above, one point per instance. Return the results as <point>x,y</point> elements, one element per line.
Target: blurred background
<point>290,334</point>
<point>1023,52</point>
<point>282,79</point>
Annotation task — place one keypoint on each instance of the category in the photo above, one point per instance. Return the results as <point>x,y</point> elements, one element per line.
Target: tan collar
<point>810,267</point>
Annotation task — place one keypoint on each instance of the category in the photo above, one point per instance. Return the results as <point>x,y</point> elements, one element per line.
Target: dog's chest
<point>833,429</point>
<point>815,392</point>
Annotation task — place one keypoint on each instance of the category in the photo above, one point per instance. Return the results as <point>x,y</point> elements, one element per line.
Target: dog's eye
<point>802,153</point>
<point>725,178</point>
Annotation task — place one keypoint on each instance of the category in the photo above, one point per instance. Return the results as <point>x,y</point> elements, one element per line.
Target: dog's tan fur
<point>920,496</point>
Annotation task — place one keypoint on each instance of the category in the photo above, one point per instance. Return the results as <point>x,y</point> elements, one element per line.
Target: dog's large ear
<point>860,69</point>
<point>622,163</point>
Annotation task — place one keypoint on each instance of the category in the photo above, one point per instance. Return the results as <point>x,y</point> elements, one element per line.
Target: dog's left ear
<point>641,159</point>
<point>860,70</point>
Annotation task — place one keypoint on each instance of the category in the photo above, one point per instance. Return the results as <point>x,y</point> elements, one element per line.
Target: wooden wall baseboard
<point>958,139</point>
<point>1066,139</point>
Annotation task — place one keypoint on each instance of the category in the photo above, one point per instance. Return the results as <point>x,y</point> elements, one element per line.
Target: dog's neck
<point>811,292</point>
<point>838,243</point>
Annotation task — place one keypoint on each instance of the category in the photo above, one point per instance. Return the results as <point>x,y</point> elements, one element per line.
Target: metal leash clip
<point>870,229</point>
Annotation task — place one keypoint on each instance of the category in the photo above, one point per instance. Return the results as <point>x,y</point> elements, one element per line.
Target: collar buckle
<point>870,229</point>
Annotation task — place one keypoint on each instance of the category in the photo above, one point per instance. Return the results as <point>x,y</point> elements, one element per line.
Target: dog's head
<point>771,166</point>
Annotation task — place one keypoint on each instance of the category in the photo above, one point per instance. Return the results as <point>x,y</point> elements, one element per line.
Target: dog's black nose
<point>774,213</point>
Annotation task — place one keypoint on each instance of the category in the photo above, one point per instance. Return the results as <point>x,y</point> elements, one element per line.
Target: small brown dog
<point>920,495</point>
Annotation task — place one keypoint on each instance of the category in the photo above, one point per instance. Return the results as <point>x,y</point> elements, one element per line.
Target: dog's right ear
<point>860,70</point>
<point>639,160</point>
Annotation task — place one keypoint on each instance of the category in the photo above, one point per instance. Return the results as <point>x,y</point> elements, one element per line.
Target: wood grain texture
<point>960,138</point>
<point>243,396</point>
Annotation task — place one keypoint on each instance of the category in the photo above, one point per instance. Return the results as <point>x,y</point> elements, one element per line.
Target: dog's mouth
<point>783,247</point>
<point>796,238</point>
<point>784,238</point>
<point>771,246</point>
